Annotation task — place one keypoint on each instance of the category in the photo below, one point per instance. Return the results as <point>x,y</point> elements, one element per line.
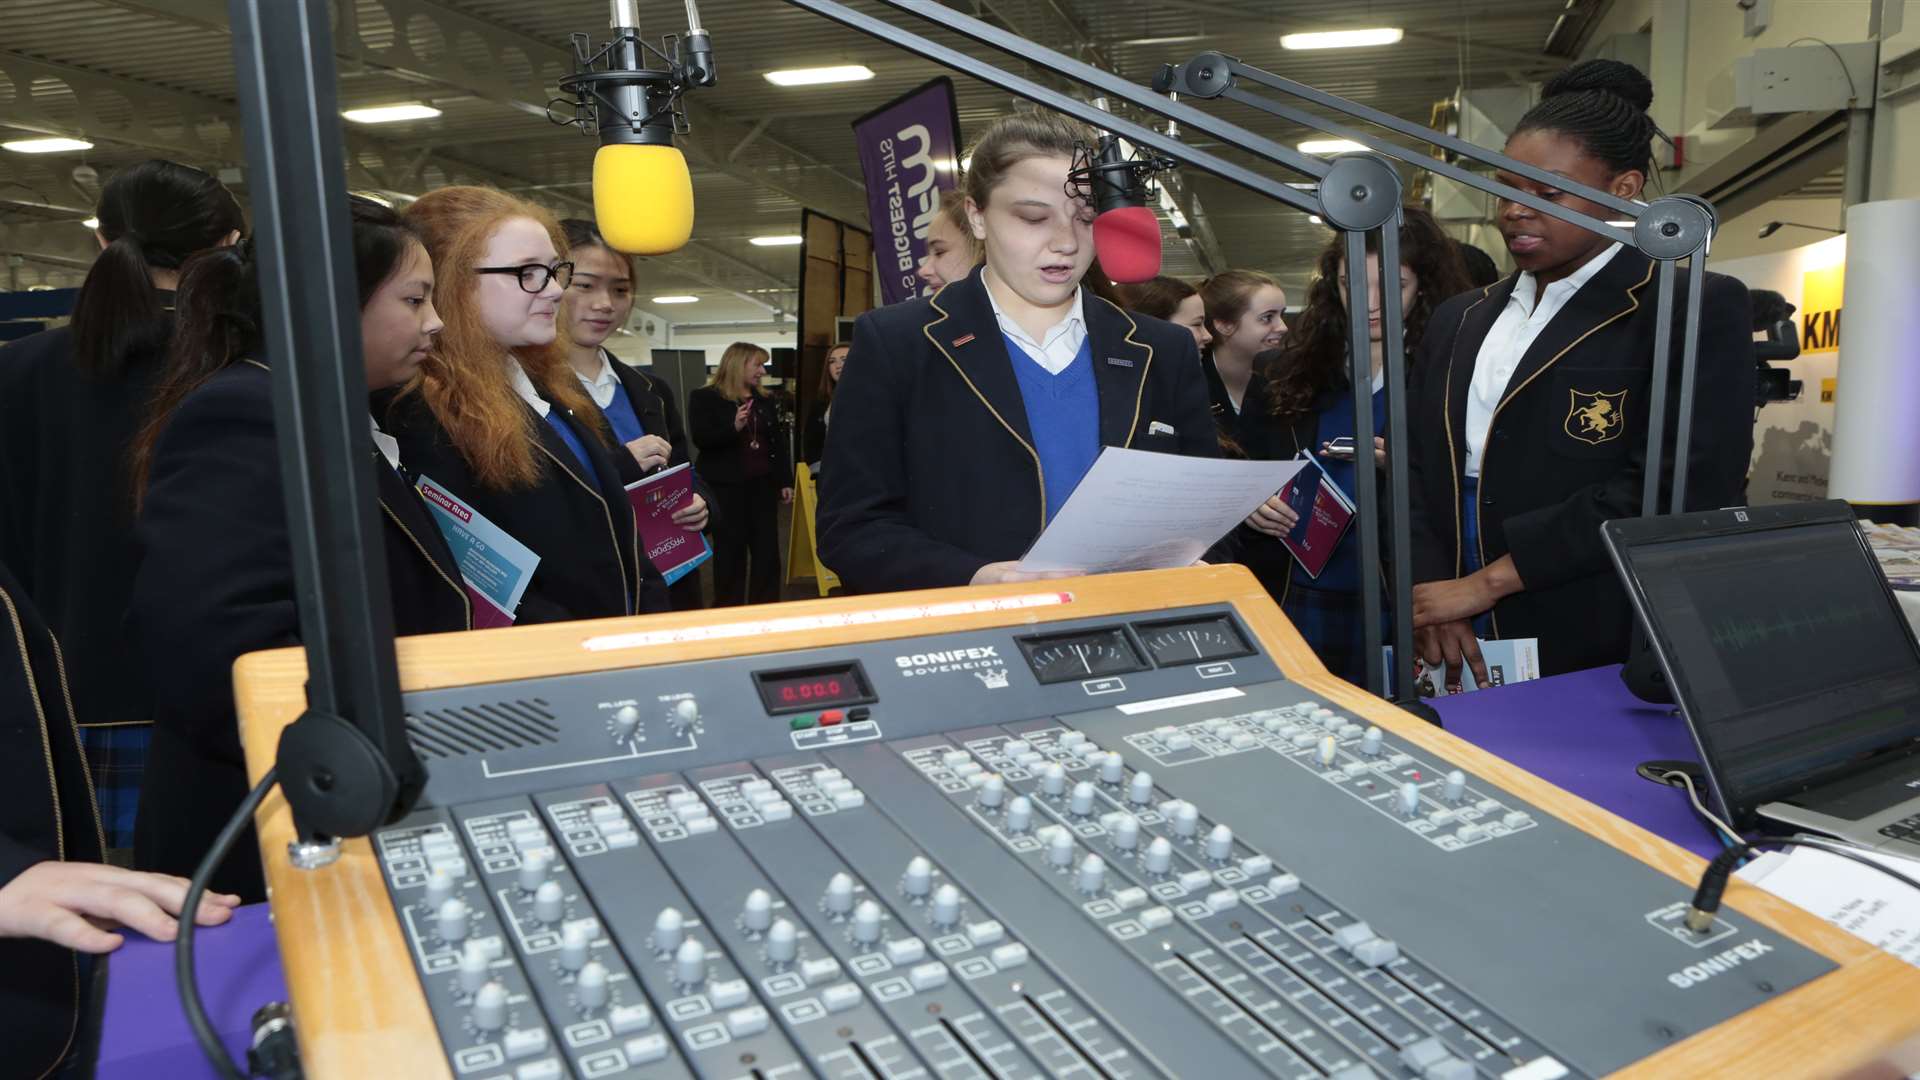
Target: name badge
<point>1118,361</point>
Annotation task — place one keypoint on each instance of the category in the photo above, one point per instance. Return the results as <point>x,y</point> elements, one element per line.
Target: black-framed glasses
<point>534,276</point>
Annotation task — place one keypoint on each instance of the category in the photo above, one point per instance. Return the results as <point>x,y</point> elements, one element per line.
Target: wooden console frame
<point>360,1013</point>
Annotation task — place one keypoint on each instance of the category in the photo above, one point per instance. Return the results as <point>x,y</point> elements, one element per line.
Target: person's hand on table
<point>693,516</point>
<point>1436,602</point>
<point>78,905</point>
<point>1273,517</point>
<point>1451,645</point>
<point>1001,573</point>
<point>651,451</point>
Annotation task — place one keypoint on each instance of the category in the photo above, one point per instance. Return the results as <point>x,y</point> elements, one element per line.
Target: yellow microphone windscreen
<point>642,198</point>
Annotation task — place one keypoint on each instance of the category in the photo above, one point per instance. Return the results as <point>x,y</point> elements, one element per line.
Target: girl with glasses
<point>498,420</point>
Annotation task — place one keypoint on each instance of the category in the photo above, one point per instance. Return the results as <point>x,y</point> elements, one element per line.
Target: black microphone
<point>1126,234</point>
<point>642,194</point>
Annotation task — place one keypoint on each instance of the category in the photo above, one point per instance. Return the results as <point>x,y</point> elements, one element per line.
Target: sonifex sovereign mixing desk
<point>1109,829</point>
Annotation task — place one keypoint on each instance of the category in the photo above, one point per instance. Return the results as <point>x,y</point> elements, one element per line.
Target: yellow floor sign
<point>803,549</point>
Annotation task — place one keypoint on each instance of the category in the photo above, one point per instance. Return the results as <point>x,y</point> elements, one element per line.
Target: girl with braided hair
<point>1528,401</point>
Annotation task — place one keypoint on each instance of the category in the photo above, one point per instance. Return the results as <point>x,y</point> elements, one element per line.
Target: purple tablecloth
<point>1582,732</point>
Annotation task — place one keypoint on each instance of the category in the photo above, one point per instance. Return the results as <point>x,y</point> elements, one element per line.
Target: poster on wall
<point>1793,440</point>
<point>909,154</point>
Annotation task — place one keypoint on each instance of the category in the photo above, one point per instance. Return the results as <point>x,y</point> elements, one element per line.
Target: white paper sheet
<point>1865,903</point>
<point>1137,510</point>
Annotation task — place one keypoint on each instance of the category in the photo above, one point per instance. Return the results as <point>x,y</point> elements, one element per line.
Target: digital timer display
<point>805,689</point>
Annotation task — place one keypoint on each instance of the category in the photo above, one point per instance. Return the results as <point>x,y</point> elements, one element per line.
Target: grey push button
<point>1377,952</point>
<point>1452,1068</point>
<point>646,1049</point>
<point>1425,1054</point>
<point>544,1069</point>
<point>928,976</point>
<point>524,1042</point>
<point>627,1019</point>
<point>1353,934</point>
<point>751,1020</point>
<point>840,997</point>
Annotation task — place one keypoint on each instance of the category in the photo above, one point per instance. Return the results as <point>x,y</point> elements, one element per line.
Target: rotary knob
<point>1080,803</point>
<point>669,929</point>
<point>1126,832</point>
<point>1159,858</point>
<point>1093,874</point>
<point>839,897</point>
<point>1019,814</point>
<point>490,1007</point>
<point>946,906</point>
<point>1409,799</point>
<point>1372,742</point>
<point>1455,788</point>
<point>1053,778</point>
<point>1060,848</point>
<point>783,942</point>
<point>690,963</point>
<point>549,902</point>
<point>535,865</point>
<point>993,791</point>
<point>686,712</point>
<point>866,922</point>
<point>575,940</point>
<point>918,880</point>
<point>1140,790</point>
<point>590,985</point>
<point>452,920</point>
<point>439,888</point>
<point>1112,769</point>
<point>1186,820</point>
<point>626,721</point>
<point>476,963</point>
<point>1220,843</point>
<point>757,913</point>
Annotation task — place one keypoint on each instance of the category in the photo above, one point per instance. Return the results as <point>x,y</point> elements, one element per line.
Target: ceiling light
<point>389,114</point>
<point>775,241</point>
<point>676,299</point>
<point>820,75</point>
<point>1342,39</point>
<point>91,223</point>
<point>1330,146</point>
<point>52,145</point>
<point>1314,219</point>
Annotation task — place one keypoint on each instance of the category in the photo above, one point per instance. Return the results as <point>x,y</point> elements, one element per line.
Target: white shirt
<point>524,387</point>
<point>1507,343</point>
<point>388,445</point>
<point>602,386</point>
<point>1058,346</point>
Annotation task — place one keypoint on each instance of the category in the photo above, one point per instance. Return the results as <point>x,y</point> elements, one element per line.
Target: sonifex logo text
<point>936,663</point>
<point>1694,974</point>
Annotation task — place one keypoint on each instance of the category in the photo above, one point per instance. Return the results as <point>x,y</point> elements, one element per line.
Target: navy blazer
<point>934,470</point>
<point>216,582</point>
<point>590,561</point>
<point>1567,447</point>
<point>47,813</point>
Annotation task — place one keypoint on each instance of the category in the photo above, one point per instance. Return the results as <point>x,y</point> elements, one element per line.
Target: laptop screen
<point>1792,658</point>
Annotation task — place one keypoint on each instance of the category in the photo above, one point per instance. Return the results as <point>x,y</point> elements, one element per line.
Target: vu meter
<point>1086,654</point>
<point>1193,641</point>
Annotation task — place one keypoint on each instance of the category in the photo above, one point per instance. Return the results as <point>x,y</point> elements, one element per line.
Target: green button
<point>802,723</point>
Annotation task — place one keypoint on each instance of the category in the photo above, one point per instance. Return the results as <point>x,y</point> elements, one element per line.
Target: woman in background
<point>71,400</point>
<point>1246,314</point>
<point>1174,300</point>
<point>638,406</point>
<point>498,420</point>
<point>814,439</point>
<point>743,455</point>
<point>216,579</point>
<point>952,251</point>
<point>1311,404</point>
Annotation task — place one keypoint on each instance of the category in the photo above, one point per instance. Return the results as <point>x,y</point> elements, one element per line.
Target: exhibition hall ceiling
<point>145,78</point>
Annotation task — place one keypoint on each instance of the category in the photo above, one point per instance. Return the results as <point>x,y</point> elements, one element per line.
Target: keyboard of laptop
<point>1907,829</point>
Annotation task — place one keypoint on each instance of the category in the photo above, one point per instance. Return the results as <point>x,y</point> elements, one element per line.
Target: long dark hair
<point>1158,296</point>
<point>1313,358</point>
<point>154,216</point>
<point>218,315</point>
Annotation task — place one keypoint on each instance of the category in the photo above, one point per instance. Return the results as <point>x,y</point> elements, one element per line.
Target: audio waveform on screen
<point>1741,634</point>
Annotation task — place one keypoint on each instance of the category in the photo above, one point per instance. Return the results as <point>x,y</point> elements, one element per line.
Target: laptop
<point>1792,663</point>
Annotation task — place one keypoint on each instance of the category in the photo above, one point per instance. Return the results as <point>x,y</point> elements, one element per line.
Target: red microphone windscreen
<point>1127,240</point>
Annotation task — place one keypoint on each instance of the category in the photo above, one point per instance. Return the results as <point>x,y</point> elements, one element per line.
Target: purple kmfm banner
<point>909,154</point>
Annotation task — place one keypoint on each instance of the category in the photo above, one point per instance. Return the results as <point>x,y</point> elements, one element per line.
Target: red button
<point>831,717</point>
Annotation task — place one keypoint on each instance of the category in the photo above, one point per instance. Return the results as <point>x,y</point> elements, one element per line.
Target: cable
<point>1853,92</point>
<point>1713,882</point>
<point>184,982</point>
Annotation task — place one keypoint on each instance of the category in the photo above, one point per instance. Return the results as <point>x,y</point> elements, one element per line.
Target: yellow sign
<point>1826,391</point>
<point>1820,296</point>
<point>803,551</point>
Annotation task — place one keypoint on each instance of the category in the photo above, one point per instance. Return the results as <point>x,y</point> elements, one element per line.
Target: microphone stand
<point>1358,194</point>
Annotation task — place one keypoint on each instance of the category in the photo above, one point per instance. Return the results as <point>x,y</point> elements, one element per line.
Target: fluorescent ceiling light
<point>389,114</point>
<point>91,223</point>
<point>1342,39</point>
<point>1314,219</point>
<point>676,299</point>
<point>820,75</point>
<point>1329,146</point>
<point>52,145</point>
<point>775,241</point>
<point>1170,39</point>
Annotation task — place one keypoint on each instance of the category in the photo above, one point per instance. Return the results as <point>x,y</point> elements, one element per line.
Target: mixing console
<point>1109,848</point>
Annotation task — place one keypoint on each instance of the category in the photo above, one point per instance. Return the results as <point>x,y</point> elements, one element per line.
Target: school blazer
<point>47,813</point>
<point>216,582</point>
<point>934,469</point>
<point>723,447</point>
<point>590,562</point>
<point>653,403</point>
<point>1567,447</point>
<point>66,505</point>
